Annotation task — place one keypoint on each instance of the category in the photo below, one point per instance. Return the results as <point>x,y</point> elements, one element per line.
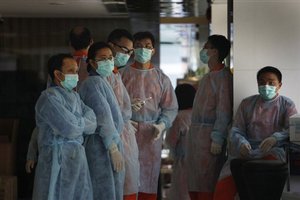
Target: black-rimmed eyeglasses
<point>124,49</point>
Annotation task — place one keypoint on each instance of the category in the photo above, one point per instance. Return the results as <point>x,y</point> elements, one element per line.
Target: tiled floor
<point>293,194</point>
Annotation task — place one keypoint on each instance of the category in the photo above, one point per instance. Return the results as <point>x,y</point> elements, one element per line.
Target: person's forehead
<point>268,76</point>
<point>144,41</point>
<point>103,52</point>
<point>125,42</point>
<point>69,63</point>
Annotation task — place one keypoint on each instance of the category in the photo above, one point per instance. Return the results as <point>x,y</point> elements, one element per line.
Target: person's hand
<point>133,126</point>
<point>29,165</point>
<point>245,150</point>
<point>215,148</point>
<point>159,129</point>
<point>137,104</point>
<point>267,144</point>
<point>116,157</point>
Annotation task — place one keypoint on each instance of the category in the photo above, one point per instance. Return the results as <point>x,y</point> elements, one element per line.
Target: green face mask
<point>142,55</point>
<point>203,56</point>
<point>121,59</point>
<point>70,81</point>
<point>105,67</point>
<point>267,92</point>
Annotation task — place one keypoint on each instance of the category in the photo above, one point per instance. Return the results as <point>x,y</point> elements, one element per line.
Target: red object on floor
<point>146,196</point>
<point>225,189</point>
<point>130,197</point>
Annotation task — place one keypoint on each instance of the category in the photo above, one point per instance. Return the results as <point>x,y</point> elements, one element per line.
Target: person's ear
<point>58,75</point>
<point>153,52</point>
<point>93,63</point>
<point>91,42</point>
<point>215,51</point>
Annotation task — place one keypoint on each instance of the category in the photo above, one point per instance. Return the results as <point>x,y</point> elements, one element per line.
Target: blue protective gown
<point>211,116</point>
<point>62,170</point>
<point>255,120</point>
<point>161,108</point>
<point>96,92</point>
<point>132,166</point>
<point>176,140</point>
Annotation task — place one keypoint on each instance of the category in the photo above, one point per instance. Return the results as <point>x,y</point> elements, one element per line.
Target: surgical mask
<point>267,92</point>
<point>70,81</point>
<point>142,55</point>
<point>121,59</point>
<point>105,67</point>
<point>203,56</point>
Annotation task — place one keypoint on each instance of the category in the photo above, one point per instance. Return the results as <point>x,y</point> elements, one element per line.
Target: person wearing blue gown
<point>62,119</point>
<point>104,148</point>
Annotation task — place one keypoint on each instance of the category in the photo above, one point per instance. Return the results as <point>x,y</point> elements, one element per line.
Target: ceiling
<point>63,8</point>
<point>100,8</point>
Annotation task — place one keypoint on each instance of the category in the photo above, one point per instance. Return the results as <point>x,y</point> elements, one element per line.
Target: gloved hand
<point>159,129</point>
<point>245,150</point>
<point>215,148</point>
<point>29,165</point>
<point>137,104</point>
<point>116,157</point>
<point>132,127</point>
<point>267,144</point>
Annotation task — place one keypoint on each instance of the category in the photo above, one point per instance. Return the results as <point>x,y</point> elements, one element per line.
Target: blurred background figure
<point>80,39</point>
<point>176,140</point>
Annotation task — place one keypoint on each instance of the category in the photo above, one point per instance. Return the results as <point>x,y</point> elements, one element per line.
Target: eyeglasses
<point>124,49</point>
<point>104,59</point>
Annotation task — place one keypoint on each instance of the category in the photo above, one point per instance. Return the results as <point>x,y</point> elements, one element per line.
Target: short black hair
<point>185,94</point>
<point>269,69</point>
<point>144,35</point>
<point>55,62</point>
<point>117,34</point>
<point>93,50</point>
<point>221,43</point>
<point>80,37</point>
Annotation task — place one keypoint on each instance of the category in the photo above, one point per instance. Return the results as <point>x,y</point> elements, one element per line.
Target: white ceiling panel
<point>59,8</point>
